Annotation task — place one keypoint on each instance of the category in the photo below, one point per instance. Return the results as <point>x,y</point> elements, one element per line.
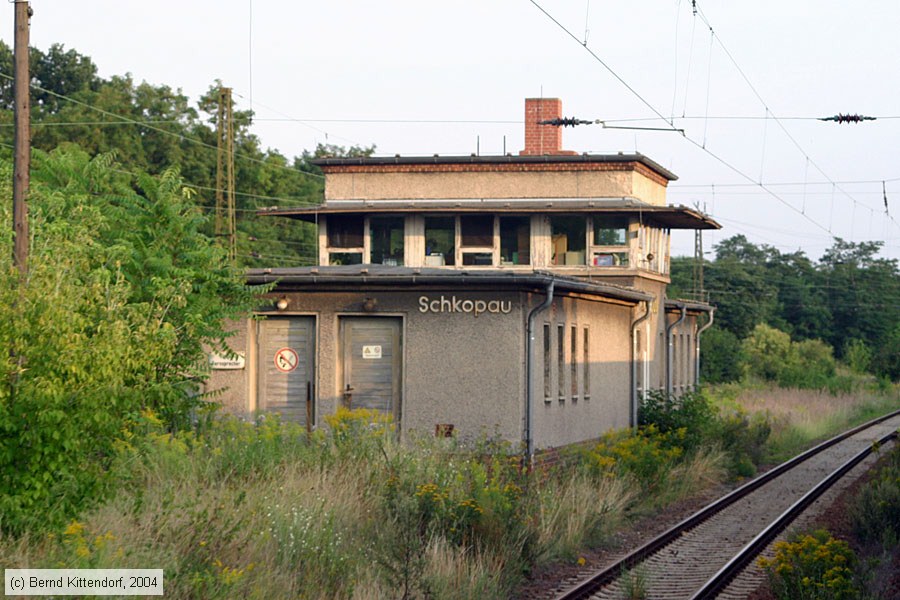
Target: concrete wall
<point>458,369</point>
<point>470,371</point>
<point>561,420</point>
<point>231,387</point>
<point>385,185</point>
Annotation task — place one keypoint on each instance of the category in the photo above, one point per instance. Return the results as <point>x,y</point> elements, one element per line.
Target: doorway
<point>372,363</point>
<point>286,351</point>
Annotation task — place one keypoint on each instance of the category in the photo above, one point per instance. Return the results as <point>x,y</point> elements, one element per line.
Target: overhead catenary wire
<point>162,131</point>
<point>661,116</point>
<point>769,112</point>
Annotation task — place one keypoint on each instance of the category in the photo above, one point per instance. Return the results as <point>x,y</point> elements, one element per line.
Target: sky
<point>745,82</point>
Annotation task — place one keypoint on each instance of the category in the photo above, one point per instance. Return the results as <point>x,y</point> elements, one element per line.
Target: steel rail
<point>591,585</point>
<point>733,567</point>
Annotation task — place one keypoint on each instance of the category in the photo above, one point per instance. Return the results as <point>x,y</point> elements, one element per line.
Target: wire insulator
<point>848,118</point>
<point>565,122</point>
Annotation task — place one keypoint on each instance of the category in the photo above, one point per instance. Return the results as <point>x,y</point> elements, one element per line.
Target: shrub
<point>765,352</point>
<point>646,455</point>
<point>123,294</point>
<point>691,416</point>
<point>812,566</point>
<point>875,512</point>
<point>810,365</point>
<point>691,421</point>
<point>858,356</point>
<point>720,350</point>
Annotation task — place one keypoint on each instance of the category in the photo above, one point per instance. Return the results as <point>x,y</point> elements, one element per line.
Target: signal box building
<point>521,296</point>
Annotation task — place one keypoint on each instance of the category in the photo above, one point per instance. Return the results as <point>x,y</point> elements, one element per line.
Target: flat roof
<point>673,217</point>
<point>359,277</point>
<point>377,161</point>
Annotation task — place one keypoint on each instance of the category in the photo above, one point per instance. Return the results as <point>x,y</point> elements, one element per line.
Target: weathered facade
<point>521,297</point>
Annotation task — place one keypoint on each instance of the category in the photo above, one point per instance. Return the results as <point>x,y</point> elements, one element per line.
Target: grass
<point>260,510</point>
<point>264,510</point>
<point>799,418</point>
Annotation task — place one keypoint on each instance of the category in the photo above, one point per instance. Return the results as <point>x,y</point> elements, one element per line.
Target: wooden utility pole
<point>220,164</point>
<point>22,141</point>
<point>225,202</point>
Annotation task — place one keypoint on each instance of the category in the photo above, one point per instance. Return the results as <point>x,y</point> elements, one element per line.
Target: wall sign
<point>286,360</point>
<point>217,362</point>
<point>456,305</point>
<point>371,352</point>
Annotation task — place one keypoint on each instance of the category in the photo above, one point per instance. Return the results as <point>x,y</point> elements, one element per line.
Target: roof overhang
<point>689,305</point>
<point>381,277</point>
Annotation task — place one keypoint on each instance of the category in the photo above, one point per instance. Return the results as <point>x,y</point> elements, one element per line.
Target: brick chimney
<point>542,139</point>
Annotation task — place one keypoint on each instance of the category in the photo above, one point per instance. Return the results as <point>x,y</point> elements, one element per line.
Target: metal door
<point>286,368</point>
<point>371,363</point>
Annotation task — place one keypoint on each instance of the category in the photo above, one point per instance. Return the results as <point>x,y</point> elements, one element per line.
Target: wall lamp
<point>281,303</point>
<point>369,304</point>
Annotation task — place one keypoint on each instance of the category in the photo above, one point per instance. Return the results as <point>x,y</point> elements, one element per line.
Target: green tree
<point>123,295</point>
<point>861,291</point>
<point>765,352</point>
<point>741,286</point>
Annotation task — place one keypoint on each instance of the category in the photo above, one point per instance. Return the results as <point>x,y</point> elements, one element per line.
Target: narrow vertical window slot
<point>561,362</point>
<point>586,366</point>
<point>547,383</point>
<point>573,362</point>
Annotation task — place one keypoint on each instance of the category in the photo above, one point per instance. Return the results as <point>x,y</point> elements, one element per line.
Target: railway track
<point>701,556</point>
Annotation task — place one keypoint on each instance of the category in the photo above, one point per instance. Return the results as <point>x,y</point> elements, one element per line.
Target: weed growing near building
<point>812,566</point>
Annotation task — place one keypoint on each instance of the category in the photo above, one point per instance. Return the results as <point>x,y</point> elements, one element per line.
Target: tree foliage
<point>848,299</point>
<point>152,128</point>
<point>123,294</point>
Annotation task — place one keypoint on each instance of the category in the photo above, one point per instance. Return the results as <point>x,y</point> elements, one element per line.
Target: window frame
<point>612,252</point>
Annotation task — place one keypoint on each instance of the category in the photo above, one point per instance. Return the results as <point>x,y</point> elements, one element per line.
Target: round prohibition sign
<point>286,360</point>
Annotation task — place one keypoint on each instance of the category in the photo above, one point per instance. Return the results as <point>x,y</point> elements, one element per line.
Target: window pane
<point>477,259</point>
<point>586,366</point>
<point>573,362</point>
<point>609,259</point>
<point>568,235</point>
<point>386,240</point>
<point>476,230</point>
<point>547,369</point>
<point>561,361</point>
<point>610,231</point>
<point>345,258</point>
<point>345,231</point>
<point>440,244</point>
<point>515,240</point>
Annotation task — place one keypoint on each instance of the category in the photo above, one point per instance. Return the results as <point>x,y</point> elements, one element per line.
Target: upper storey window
<point>386,240</point>
<point>568,235</point>
<point>476,239</point>
<point>515,240</point>
<point>355,239</point>
<point>610,231</point>
<point>345,239</point>
<point>440,241</point>
<point>609,246</point>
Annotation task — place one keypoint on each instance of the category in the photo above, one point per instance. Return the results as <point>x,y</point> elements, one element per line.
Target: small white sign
<point>371,352</point>
<point>218,362</point>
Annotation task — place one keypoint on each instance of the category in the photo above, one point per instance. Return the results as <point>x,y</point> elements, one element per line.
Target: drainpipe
<point>712,314</point>
<point>634,396</point>
<point>529,372</point>
<point>669,329</point>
